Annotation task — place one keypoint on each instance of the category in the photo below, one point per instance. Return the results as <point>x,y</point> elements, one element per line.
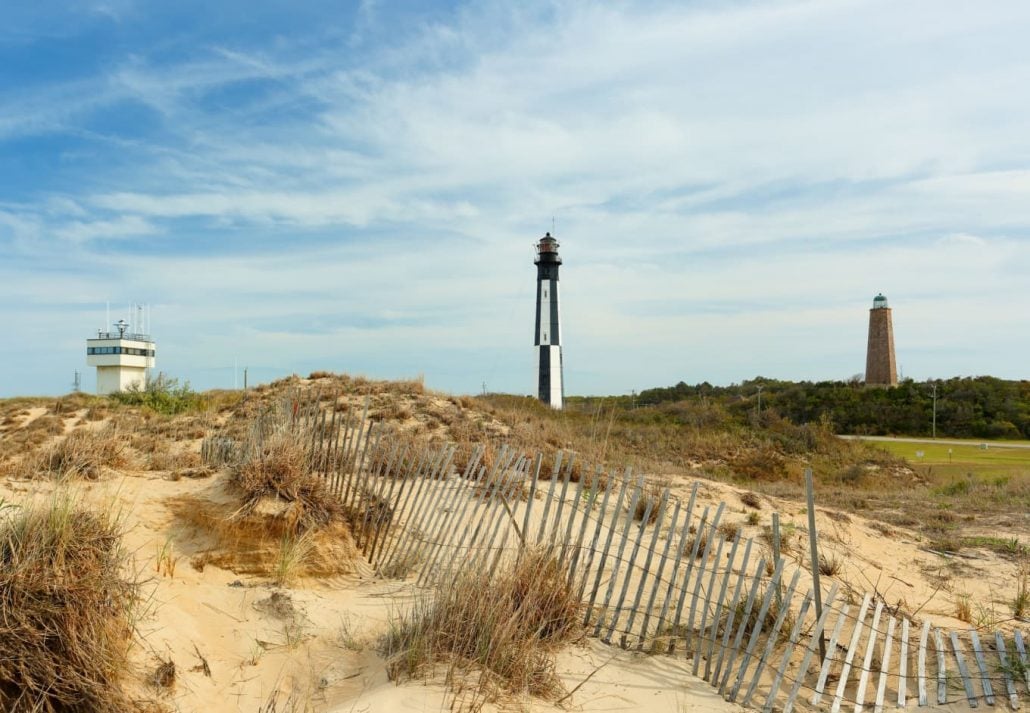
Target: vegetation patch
<point>67,609</point>
<point>494,634</point>
<point>161,394</point>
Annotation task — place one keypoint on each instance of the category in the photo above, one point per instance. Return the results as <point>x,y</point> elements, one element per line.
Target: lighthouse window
<point>545,293</point>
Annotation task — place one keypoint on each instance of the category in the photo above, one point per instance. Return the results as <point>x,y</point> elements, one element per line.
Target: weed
<point>963,608</point>
<point>830,565</point>
<point>293,552</point>
<point>166,560</point>
<point>647,503</point>
<point>729,530</point>
<point>1021,600</point>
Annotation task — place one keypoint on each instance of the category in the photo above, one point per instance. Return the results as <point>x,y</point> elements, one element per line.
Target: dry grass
<point>830,565</point>
<point>83,453</point>
<point>751,500</point>
<point>274,518</point>
<point>648,502</point>
<point>495,633</point>
<point>1021,599</point>
<point>963,608</point>
<point>67,609</point>
<point>280,471</point>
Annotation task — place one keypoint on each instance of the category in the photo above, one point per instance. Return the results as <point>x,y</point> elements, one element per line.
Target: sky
<point>357,187</point>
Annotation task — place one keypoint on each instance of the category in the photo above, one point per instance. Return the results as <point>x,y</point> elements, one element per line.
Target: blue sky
<point>357,187</point>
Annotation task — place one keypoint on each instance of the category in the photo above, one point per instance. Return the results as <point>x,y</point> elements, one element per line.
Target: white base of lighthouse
<point>551,385</point>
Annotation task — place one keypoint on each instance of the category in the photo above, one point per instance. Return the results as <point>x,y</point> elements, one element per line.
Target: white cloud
<point>723,176</point>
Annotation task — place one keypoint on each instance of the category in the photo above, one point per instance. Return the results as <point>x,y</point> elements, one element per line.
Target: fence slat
<point>550,495</point>
<point>903,664</point>
<point>921,664</point>
<point>588,507</point>
<point>774,586</point>
<point>863,676</point>
<point>670,536</point>
<point>566,542</point>
<point>813,646</point>
<point>556,528</point>
<point>645,570</point>
<point>616,512</point>
<point>719,602</point>
<point>629,568</point>
<point>690,566</point>
<point>985,680</point>
<point>756,583</point>
<point>699,641</point>
<point>1018,636</point>
<point>620,551</point>
<point>942,676</point>
<point>963,670</point>
<point>795,635</point>
<point>774,633</point>
<point>738,589</point>
<point>885,664</point>
<point>849,658</point>
<point>1006,669</point>
<point>591,553</point>
<point>831,652</point>
<point>671,588</point>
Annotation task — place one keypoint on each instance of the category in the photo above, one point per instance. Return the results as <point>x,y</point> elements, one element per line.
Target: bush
<point>161,394</point>
<point>66,610</point>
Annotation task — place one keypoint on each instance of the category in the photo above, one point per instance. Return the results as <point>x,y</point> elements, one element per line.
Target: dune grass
<point>494,634</point>
<point>67,609</point>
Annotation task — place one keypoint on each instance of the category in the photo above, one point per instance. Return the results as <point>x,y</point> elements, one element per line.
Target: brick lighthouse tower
<point>881,368</point>
<point>550,387</point>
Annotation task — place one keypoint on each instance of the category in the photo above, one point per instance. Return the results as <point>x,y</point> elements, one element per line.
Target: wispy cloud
<point>363,188</point>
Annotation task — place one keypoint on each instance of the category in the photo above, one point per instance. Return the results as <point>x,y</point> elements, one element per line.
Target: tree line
<point>967,407</point>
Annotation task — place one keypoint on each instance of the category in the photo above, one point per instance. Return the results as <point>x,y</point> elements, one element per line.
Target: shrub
<point>161,394</point>
<point>751,500</point>
<point>67,610</point>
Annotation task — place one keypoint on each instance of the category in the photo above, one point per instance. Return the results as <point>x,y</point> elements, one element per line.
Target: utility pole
<point>760,387</point>
<point>934,410</point>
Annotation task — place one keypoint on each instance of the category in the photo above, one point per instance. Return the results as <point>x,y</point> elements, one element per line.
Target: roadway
<point>938,441</point>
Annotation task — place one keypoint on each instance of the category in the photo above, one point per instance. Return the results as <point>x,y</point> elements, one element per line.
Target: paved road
<point>939,441</point>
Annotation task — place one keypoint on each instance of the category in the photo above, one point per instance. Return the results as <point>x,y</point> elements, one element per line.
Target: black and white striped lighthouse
<point>550,386</point>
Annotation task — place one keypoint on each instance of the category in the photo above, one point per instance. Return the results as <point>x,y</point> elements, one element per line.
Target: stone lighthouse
<point>881,368</point>
<point>550,386</point>
<point>122,358</point>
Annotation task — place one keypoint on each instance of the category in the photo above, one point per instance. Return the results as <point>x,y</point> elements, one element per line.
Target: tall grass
<point>494,633</point>
<point>66,609</point>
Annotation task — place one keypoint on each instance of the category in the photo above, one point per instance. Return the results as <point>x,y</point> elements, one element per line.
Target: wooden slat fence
<point>653,572</point>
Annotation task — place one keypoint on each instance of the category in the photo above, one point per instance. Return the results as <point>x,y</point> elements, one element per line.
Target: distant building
<point>881,367</point>
<point>122,359</point>
<point>550,387</point>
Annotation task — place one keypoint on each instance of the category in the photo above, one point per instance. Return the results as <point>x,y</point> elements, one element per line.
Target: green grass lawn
<point>972,454</point>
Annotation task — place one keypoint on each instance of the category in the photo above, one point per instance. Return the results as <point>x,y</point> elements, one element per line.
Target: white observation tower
<point>122,358</point>
<point>550,387</point>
